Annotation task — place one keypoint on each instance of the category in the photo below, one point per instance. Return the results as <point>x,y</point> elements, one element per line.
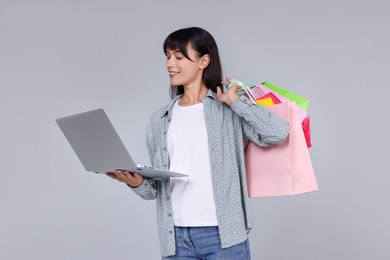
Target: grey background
<point>63,57</point>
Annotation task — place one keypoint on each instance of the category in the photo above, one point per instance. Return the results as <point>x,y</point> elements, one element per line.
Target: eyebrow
<point>173,50</point>
<point>176,52</point>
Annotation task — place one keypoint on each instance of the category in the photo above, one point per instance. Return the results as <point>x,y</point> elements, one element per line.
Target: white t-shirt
<point>192,197</point>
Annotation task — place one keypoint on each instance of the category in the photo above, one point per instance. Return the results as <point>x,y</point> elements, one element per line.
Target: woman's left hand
<point>230,96</point>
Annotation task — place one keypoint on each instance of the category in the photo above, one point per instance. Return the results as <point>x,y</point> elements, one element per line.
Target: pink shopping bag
<point>305,122</point>
<point>270,95</point>
<point>265,90</point>
<point>283,169</point>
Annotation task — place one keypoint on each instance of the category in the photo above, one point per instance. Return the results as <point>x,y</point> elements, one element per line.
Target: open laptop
<point>99,147</point>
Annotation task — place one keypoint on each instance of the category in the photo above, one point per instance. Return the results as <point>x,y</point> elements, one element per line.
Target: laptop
<point>99,147</point>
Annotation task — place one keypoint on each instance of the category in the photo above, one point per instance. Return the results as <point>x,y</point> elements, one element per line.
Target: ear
<point>204,61</point>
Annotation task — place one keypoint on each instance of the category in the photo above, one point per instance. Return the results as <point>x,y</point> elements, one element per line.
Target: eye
<point>179,56</point>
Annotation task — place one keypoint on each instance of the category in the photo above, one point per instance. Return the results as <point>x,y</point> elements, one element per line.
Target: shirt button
<point>165,132</point>
<point>170,232</point>
<point>165,165</point>
<point>169,215</point>
<point>168,198</point>
<point>164,148</point>
<point>169,120</point>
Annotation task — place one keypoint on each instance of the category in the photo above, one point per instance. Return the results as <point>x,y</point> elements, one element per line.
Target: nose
<point>168,63</point>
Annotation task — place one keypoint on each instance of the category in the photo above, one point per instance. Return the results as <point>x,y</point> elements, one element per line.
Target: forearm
<point>259,124</point>
<point>146,190</point>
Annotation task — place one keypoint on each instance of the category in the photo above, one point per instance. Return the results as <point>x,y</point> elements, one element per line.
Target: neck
<point>193,94</point>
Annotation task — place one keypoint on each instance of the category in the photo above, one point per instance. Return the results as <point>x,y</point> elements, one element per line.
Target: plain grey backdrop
<point>63,57</point>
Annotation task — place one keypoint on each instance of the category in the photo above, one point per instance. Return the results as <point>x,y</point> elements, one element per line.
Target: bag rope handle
<point>244,87</point>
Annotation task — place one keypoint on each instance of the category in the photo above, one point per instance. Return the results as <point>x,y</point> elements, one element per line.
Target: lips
<point>172,73</point>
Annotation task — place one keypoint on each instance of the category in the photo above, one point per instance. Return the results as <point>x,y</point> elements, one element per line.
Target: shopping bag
<point>282,94</point>
<point>299,100</point>
<point>267,102</point>
<point>266,90</point>
<point>270,99</point>
<point>302,113</point>
<point>306,131</point>
<point>282,169</point>
<point>270,95</point>
<point>256,91</point>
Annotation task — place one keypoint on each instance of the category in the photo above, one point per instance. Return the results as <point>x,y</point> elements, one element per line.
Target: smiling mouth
<point>172,73</point>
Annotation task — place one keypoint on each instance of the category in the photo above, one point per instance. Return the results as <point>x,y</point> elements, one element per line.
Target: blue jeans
<point>204,243</point>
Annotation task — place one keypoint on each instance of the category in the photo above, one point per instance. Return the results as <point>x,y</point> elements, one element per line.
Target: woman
<point>202,132</point>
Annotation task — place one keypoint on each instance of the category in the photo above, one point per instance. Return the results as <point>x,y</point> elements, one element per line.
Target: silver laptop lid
<point>96,142</point>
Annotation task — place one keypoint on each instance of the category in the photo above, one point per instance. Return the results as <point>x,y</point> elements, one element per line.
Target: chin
<point>176,83</point>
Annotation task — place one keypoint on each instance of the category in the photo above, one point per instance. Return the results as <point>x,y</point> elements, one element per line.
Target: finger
<point>234,88</point>
<point>128,175</point>
<point>120,174</point>
<point>110,174</point>
<point>113,176</point>
<point>138,176</point>
<point>219,91</point>
<point>226,81</point>
<point>221,96</point>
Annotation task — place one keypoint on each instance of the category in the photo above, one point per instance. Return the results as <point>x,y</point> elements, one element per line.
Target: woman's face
<point>183,71</point>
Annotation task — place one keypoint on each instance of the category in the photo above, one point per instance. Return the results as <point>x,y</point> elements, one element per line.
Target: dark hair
<point>203,43</point>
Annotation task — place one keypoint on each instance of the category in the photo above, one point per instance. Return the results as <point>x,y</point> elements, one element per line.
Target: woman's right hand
<point>133,179</point>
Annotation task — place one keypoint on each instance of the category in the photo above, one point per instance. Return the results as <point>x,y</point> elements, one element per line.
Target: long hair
<point>203,43</point>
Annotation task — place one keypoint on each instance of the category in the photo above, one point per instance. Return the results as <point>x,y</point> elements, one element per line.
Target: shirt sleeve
<point>260,125</point>
<point>147,190</point>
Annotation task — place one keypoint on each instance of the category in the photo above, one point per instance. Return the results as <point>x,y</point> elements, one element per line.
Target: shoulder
<point>158,116</point>
<point>159,113</point>
<point>218,107</point>
<point>163,111</point>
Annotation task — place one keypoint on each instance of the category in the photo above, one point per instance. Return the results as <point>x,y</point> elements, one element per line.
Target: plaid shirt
<point>228,130</point>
